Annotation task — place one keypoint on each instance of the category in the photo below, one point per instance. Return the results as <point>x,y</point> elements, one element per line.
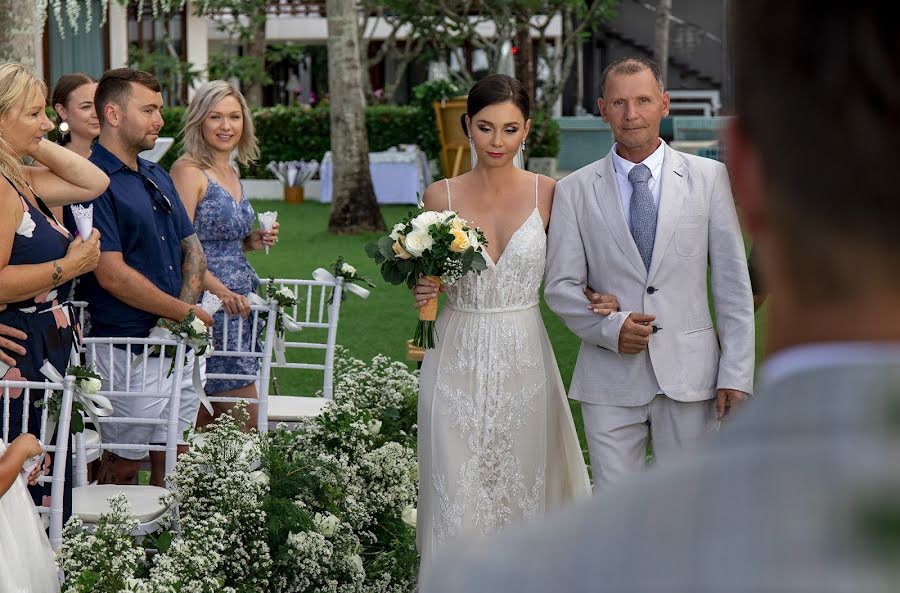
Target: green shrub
<point>548,144</point>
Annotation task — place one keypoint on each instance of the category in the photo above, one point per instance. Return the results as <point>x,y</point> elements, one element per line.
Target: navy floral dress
<point>50,327</point>
<point>222,224</point>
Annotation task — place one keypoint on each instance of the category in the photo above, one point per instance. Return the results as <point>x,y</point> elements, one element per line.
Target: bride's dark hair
<point>494,89</point>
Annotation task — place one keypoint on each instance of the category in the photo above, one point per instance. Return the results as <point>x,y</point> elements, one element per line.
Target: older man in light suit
<point>647,224</point>
<point>800,493</point>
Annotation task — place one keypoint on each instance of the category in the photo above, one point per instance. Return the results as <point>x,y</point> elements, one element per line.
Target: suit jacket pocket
<point>689,235</point>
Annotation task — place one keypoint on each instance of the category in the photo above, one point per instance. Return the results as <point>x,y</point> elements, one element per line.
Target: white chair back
<point>29,392</point>
<point>120,384</point>
<point>312,311</point>
<point>259,345</point>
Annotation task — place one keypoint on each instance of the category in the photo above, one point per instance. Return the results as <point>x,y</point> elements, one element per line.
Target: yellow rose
<point>456,223</point>
<point>399,250</point>
<point>460,241</point>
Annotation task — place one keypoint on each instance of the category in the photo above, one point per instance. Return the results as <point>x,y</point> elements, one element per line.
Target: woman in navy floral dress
<point>217,123</point>
<point>38,257</point>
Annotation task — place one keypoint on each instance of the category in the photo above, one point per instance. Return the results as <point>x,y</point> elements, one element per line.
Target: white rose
<point>348,269</point>
<point>374,426</point>
<point>286,292</point>
<point>397,231</point>
<point>426,219</point>
<point>259,477</point>
<point>198,326</point>
<point>473,239</point>
<point>408,515</point>
<point>357,561</point>
<point>417,242</point>
<point>90,386</point>
<point>325,524</point>
<point>297,539</point>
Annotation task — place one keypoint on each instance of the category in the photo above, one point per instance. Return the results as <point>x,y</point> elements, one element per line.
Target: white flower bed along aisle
<point>325,508</point>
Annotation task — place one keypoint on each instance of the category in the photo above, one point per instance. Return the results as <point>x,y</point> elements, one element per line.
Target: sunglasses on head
<point>165,203</point>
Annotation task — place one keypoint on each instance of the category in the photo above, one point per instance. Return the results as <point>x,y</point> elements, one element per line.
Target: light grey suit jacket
<point>796,495</point>
<point>697,234</point>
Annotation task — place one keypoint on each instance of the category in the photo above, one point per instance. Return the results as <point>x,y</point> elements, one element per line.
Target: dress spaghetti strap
<point>449,204</point>
<point>536,176</point>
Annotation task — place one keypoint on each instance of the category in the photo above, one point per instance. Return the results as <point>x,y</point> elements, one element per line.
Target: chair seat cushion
<point>284,408</point>
<point>89,502</point>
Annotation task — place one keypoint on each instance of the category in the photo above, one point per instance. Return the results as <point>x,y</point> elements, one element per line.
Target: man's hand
<point>601,303</point>
<point>634,336</point>
<point>728,399</point>
<point>8,344</point>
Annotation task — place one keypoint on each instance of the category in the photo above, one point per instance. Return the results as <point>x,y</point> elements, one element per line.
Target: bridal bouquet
<point>438,245</point>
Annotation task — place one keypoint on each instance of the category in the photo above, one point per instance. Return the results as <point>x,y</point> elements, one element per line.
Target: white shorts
<point>141,407</point>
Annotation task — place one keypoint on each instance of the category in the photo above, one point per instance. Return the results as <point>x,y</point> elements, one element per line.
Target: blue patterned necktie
<point>643,212</point>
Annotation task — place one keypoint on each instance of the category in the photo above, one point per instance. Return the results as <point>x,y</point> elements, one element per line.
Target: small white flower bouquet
<point>438,245</point>
<point>340,268</point>
<point>88,384</point>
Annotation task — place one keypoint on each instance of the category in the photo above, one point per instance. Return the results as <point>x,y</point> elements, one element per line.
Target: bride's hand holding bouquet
<point>439,246</point>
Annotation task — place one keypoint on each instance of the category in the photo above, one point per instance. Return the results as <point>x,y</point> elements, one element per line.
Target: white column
<point>197,44</point>
<point>118,35</point>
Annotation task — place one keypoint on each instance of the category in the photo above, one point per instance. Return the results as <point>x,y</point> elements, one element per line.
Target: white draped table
<point>396,174</point>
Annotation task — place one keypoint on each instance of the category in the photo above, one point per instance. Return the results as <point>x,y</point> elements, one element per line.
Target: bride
<point>497,444</point>
<point>26,560</point>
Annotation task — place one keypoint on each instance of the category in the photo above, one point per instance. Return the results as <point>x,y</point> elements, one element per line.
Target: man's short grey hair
<point>631,66</point>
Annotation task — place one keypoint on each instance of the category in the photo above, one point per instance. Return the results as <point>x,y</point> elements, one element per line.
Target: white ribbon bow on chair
<point>323,275</point>
<point>289,323</point>
<point>163,333</point>
<point>94,404</point>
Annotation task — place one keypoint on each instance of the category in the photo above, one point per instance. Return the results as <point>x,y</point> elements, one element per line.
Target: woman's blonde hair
<point>195,147</point>
<point>16,85</point>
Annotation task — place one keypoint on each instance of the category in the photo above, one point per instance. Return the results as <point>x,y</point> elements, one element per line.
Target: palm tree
<point>661,38</point>
<point>353,207</point>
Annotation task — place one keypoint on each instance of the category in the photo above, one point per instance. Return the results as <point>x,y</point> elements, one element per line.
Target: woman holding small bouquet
<point>497,444</point>
<point>218,124</point>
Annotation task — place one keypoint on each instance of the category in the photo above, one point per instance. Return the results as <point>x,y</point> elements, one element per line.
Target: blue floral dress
<point>50,327</point>
<point>222,224</point>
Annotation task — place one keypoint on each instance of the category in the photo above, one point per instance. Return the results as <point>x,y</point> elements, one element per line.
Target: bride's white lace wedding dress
<point>26,560</point>
<point>497,444</point>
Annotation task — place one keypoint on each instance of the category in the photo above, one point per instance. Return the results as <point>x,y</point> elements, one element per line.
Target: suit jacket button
<point>651,290</point>
<point>656,328</point>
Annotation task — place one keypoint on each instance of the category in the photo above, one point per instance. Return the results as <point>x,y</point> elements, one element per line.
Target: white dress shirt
<point>654,162</point>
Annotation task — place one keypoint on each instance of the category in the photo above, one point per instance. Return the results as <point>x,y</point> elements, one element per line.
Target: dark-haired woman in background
<point>497,444</point>
<point>76,119</point>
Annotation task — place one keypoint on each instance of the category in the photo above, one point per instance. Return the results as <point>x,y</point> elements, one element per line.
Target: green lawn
<point>383,322</point>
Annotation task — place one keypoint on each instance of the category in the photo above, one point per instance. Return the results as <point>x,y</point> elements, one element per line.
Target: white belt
<point>493,311</point>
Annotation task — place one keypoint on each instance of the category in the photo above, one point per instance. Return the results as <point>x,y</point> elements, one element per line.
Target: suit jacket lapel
<point>671,198</point>
<point>607,190</point>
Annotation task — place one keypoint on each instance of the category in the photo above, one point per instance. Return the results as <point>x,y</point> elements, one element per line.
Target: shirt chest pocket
<point>689,235</point>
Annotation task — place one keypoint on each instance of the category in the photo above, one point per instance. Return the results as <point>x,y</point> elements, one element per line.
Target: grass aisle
<point>383,322</point>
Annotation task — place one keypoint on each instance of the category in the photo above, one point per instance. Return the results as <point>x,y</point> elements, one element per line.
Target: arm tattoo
<point>193,269</point>
<point>57,275</point>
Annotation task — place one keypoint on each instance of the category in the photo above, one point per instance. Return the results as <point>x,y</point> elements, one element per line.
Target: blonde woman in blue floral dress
<point>218,124</point>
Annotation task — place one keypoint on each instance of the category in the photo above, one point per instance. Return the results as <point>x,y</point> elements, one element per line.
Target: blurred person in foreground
<point>801,491</point>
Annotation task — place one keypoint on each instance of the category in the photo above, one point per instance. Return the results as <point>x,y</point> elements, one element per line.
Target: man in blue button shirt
<point>151,263</point>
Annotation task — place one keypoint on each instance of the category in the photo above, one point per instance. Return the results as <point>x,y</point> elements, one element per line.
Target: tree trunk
<point>661,38</point>
<point>256,48</point>
<point>17,32</point>
<point>353,205</point>
<point>524,58</point>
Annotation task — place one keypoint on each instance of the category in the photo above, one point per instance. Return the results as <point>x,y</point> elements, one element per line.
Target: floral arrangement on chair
<point>328,507</point>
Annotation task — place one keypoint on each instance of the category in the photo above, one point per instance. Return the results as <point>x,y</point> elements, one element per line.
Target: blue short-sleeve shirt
<point>141,216</point>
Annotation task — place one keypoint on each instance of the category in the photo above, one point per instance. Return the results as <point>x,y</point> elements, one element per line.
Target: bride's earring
<point>473,157</point>
<point>519,159</point>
